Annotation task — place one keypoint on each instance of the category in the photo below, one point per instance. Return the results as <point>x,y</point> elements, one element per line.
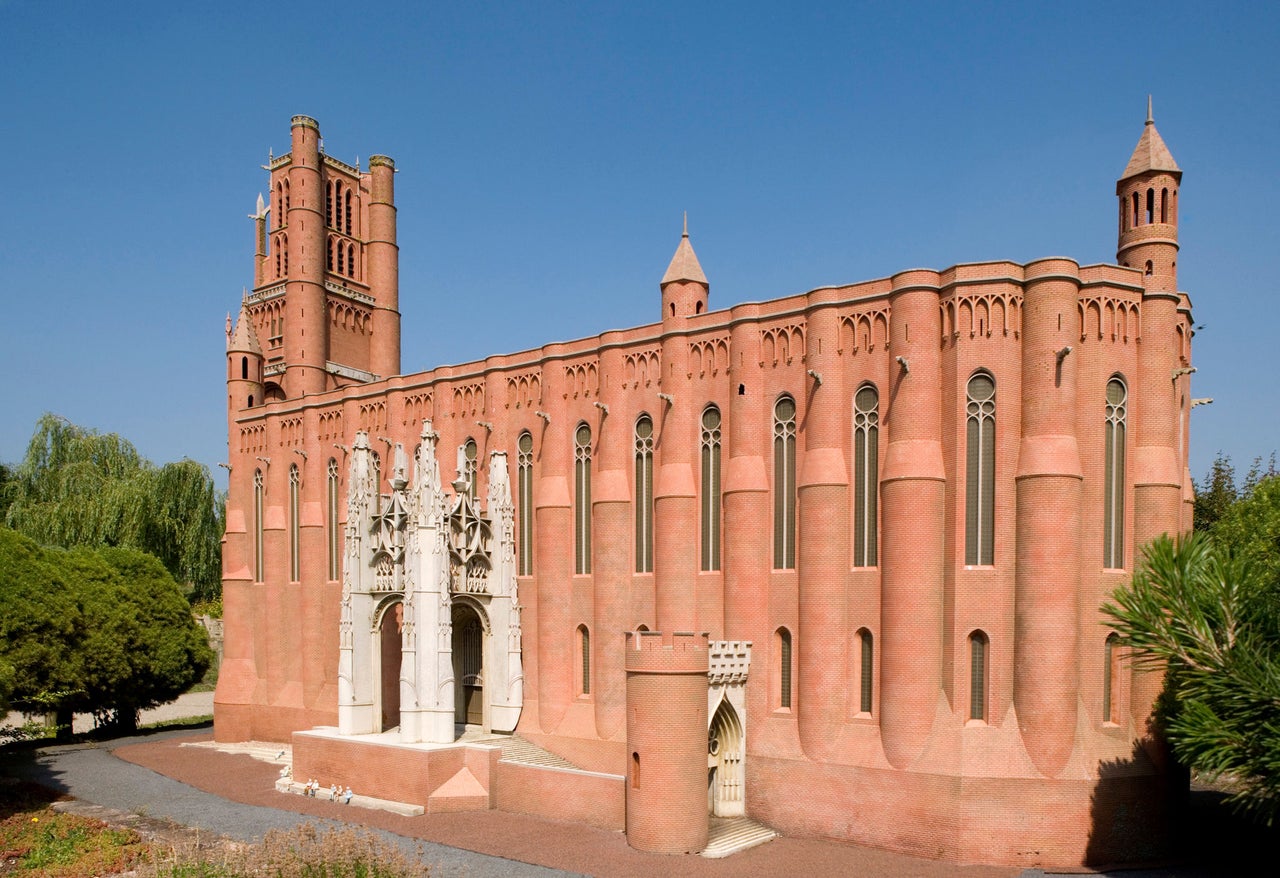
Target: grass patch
<point>36,840</point>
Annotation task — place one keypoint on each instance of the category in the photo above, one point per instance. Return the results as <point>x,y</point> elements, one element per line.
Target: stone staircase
<point>729,835</point>
<point>517,749</point>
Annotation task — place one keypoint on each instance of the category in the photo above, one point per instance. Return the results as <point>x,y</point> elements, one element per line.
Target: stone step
<point>518,749</point>
<point>729,835</point>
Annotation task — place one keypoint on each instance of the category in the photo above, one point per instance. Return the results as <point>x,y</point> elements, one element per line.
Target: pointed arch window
<point>980,471</point>
<point>329,256</point>
<point>582,500</point>
<point>979,647</point>
<point>584,645</point>
<point>328,205</point>
<point>1110,675</point>
<point>711,488</point>
<point>342,259</point>
<point>1113,479</point>
<point>524,492</point>
<point>279,205</point>
<point>866,675</point>
<point>644,494</point>
<point>331,518</point>
<point>784,484</point>
<point>258,488</point>
<point>295,560</point>
<point>866,474</point>
<point>1135,209</point>
<point>784,668</point>
<point>1164,205</point>
<point>351,260</point>
<point>347,212</point>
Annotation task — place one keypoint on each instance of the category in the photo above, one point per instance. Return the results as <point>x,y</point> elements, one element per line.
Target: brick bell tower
<point>1148,242</point>
<point>325,302</point>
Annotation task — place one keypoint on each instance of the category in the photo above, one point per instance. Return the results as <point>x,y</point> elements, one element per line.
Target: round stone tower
<point>667,742</point>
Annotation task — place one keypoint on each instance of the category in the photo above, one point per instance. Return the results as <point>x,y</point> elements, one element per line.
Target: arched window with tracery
<point>1113,478</point>
<point>784,483</point>
<point>582,500</point>
<point>980,471</point>
<point>524,499</point>
<point>644,494</point>
<point>711,488</point>
<point>468,474</point>
<point>866,474</point>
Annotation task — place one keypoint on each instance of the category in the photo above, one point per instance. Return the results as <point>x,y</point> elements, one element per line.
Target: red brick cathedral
<point>832,562</point>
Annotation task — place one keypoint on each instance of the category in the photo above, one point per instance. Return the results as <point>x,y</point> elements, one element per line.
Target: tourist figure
<point>346,797</point>
<point>333,792</point>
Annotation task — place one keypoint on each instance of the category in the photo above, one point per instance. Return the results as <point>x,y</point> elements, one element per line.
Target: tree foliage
<point>105,631</point>
<point>78,487</point>
<point>1208,608</point>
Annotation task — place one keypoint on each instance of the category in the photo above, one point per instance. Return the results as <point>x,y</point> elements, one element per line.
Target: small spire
<point>684,264</point>
<point>1150,119</point>
<point>686,225</point>
<point>1151,153</point>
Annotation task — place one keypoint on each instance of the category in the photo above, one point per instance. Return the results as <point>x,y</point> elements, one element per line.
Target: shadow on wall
<point>1143,816</point>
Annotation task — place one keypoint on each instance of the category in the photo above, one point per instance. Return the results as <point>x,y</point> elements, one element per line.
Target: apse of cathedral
<point>831,563</point>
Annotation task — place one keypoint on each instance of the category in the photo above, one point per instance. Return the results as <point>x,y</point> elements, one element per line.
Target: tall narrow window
<point>342,259</point>
<point>257,525</point>
<point>294,508</point>
<point>524,490</point>
<point>711,488</point>
<point>784,668</point>
<point>469,453</point>
<point>978,644</point>
<point>279,205</point>
<point>377,483</point>
<point>784,484</point>
<point>866,474</point>
<point>1113,477</point>
<point>980,471</point>
<point>1164,205</point>
<point>331,516</point>
<point>1151,206</point>
<point>1135,208</point>
<point>328,205</point>
<point>584,641</point>
<point>582,500</point>
<point>351,260</point>
<point>347,213</point>
<point>337,205</point>
<point>1109,662</point>
<point>644,494</point>
<point>866,678</point>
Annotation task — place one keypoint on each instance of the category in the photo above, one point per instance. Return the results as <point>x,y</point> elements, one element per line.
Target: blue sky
<point>547,151</point>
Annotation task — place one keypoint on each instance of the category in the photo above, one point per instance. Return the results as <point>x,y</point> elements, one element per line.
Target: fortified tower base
<point>667,742</point>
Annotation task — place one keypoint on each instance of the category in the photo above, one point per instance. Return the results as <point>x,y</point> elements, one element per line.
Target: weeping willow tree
<point>79,487</point>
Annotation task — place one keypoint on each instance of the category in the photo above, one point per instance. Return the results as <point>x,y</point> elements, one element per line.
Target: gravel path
<point>93,773</point>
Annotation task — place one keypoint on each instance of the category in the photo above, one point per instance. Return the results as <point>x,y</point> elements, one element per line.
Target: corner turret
<point>1148,195</point>
<point>684,287</point>
<point>244,364</point>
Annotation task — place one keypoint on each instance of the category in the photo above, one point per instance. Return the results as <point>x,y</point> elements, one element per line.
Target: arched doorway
<point>468,665</point>
<point>724,763</point>
<point>390,628</point>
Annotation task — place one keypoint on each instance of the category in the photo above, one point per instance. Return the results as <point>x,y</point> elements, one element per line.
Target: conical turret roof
<point>684,264</point>
<point>1150,154</point>
<point>245,338</point>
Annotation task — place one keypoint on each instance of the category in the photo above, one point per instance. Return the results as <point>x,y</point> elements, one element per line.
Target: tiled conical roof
<point>684,264</point>
<point>1150,154</point>
<point>244,338</point>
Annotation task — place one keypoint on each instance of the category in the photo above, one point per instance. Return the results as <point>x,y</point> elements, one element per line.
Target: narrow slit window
<point>978,649</point>
<point>295,559</point>
<point>257,524</point>
<point>335,536</point>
